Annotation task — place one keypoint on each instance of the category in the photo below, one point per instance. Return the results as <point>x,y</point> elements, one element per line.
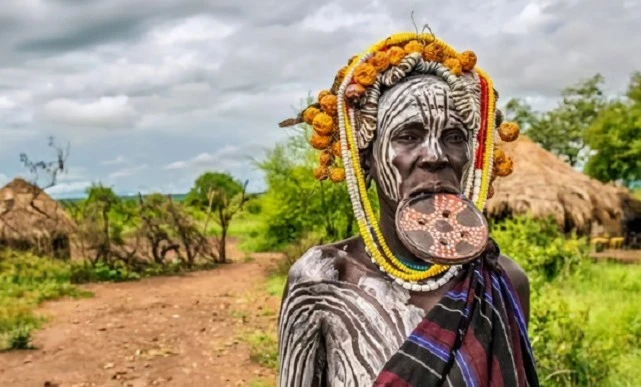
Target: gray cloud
<point>182,78</point>
<point>107,112</point>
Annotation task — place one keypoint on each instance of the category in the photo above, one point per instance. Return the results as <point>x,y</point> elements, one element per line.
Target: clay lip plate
<point>445,229</point>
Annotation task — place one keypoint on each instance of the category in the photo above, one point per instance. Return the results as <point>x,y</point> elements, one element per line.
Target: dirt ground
<point>163,331</point>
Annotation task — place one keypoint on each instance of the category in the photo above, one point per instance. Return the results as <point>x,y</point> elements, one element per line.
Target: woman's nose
<point>432,157</point>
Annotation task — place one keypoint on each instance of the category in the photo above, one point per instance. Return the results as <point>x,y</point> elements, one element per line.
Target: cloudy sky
<point>150,93</point>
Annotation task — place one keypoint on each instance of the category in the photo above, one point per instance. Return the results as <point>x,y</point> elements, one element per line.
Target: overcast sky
<point>150,93</point>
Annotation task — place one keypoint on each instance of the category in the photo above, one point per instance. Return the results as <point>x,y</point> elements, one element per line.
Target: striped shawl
<point>477,337</point>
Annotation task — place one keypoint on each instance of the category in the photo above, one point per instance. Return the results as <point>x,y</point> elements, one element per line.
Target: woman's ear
<point>498,118</point>
<point>367,163</point>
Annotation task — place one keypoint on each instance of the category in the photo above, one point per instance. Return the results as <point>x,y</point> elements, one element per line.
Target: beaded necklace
<point>414,266</point>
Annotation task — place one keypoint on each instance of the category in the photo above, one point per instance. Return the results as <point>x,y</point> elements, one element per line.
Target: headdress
<point>344,122</point>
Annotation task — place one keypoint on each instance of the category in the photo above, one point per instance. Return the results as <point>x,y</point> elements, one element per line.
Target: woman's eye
<point>455,137</point>
<point>407,137</point>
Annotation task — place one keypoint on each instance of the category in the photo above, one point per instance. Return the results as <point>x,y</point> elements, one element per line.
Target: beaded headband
<point>344,122</point>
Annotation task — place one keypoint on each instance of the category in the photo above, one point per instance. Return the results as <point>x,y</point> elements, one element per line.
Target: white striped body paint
<point>336,333</point>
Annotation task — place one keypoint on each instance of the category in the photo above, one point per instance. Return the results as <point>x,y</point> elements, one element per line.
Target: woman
<point>422,297</point>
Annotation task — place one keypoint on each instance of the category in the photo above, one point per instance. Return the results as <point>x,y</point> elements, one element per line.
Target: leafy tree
<point>221,195</point>
<point>616,138</point>
<point>102,218</point>
<point>634,88</point>
<point>155,227</point>
<point>562,129</point>
<point>521,112</point>
<point>223,183</point>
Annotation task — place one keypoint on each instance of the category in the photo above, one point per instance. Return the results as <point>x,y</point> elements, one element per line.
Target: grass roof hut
<point>31,220</point>
<point>542,185</point>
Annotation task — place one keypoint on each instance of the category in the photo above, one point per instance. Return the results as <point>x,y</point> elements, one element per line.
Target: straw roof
<point>542,185</point>
<point>29,214</point>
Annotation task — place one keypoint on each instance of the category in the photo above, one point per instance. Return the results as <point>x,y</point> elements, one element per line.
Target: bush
<point>540,248</point>
<point>85,272</point>
<point>18,337</point>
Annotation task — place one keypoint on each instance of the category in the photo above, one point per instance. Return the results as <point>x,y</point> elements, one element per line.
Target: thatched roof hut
<point>31,220</point>
<point>542,185</point>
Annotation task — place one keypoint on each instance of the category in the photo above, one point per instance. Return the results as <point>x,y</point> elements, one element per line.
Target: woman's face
<point>421,144</point>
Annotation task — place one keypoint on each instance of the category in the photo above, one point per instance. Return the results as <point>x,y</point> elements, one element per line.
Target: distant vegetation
<point>125,198</point>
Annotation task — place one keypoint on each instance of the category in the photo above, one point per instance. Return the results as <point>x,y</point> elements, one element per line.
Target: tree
<point>167,227</point>
<point>49,168</point>
<point>220,195</point>
<point>223,183</point>
<point>634,88</point>
<point>296,206</point>
<point>101,218</point>
<point>562,129</point>
<point>155,229</point>
<point>521,112</point>
<point>615,137</point>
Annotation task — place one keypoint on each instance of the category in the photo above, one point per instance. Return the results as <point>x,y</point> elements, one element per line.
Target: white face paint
<point>422,102</point>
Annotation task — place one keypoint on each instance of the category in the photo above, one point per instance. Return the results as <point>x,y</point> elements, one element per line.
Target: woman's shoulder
<point>323,262</point>
<point>519,280</point>
<point>518,277</point>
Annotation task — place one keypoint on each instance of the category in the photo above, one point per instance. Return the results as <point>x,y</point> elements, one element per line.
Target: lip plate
<point>419,252</point>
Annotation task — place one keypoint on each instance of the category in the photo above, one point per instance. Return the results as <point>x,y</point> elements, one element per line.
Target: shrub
<point>102,272</point>
<point>18,338</point>
<point>540,248</point>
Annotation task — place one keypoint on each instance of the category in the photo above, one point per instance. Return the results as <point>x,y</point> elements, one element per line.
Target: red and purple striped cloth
<point>476,336</point>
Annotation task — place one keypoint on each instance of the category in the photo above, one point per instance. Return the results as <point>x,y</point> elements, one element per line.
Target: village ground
<point>200,329</point>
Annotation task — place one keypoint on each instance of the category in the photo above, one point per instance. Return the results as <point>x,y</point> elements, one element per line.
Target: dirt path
<point>165,331</point>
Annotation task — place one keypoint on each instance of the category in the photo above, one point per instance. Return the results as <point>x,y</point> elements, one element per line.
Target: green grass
<point>245,227</point>
<point>261,383</point>
<point>25,282</point>
<point>612,294</point>
<point>263,349</point>
<point>276,284</point>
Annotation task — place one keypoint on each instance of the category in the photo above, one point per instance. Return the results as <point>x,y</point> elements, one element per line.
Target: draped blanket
<point>475,336</point>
